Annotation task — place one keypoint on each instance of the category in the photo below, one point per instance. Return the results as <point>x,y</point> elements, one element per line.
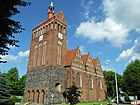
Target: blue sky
<point>108,29</point>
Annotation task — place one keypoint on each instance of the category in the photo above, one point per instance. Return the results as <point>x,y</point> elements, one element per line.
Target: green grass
<point>90,103</point>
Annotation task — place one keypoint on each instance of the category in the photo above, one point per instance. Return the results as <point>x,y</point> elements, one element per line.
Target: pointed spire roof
<point>52,4</point>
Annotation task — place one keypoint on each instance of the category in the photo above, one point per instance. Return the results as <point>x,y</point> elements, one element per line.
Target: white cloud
<point>12,47</point>
<point>125,54</point>
<point>24,54</point>
<point>105,30</point>
<point>132,53</point>
<point>99,53</point>
<point>125,12</point>
<point>86,5</point>
<point>9,58</point>
<point>82,49</point>
<point>137,45</point>
<point>16,58</point>
<point>122,16</point>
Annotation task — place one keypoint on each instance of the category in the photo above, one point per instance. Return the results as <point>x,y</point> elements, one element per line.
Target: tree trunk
<point>138,96</point>
<point>134,97</point>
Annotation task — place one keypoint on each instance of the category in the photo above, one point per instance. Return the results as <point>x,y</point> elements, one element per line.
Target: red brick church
<point>52,67</point>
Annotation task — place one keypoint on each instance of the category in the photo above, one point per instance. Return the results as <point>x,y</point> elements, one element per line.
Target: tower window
<point>56,25</point>
<point>40,38</point>
<point>59,52</point>
<point>63,30</point>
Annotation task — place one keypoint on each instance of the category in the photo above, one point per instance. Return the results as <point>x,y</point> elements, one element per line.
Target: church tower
<point>46,74</point>
<point>48,46</point>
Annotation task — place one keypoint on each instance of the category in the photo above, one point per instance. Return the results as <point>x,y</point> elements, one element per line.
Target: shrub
<point>7,103</point>
<point>15,99</point>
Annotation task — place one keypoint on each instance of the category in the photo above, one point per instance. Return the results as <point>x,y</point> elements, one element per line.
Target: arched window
<point>101,85</point>
<point>78,80</point>
<point>33,95</point>
<point>37,96</point>
<point>28,95</point>
<point>43,96</point>
<point>64,30</point>
<point>58,87</point>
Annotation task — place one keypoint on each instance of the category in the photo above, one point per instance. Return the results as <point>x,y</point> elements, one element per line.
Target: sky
<point>108,29</point>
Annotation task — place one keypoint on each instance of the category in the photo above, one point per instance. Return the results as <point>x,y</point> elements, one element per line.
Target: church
<point>52,68</point>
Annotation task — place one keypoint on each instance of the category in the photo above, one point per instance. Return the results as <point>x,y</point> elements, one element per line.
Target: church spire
<point>51,10</point>
<point>51,4</point>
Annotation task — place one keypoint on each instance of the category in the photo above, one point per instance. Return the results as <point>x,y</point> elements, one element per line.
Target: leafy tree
<point>72,93</point>
<point>4,91</point>
<point>13,80</point>
<point>22,85</point>
<point>8,26</point>
<point>132,78</point>
<point>110,82</point>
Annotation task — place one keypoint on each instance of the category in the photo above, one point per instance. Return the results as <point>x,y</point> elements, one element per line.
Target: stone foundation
<point>45,85</point>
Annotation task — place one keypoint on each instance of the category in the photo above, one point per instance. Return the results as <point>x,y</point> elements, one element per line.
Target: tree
<point>132,78</point>
<point>8,26</point>
<point>4,90</point>
<point>13,80</point>
<point>22,85</point>
<point>110,82</point>
<point>72,94</point>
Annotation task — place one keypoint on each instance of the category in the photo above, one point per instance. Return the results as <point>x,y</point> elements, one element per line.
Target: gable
<point>60,17</point>
<point>77,61</point>
<point>69,56</point>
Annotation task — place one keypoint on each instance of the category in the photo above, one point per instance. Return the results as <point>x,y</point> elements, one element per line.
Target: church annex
<point>52,67</point>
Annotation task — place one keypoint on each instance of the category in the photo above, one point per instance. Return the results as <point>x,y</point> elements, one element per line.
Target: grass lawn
<point>90,103</point>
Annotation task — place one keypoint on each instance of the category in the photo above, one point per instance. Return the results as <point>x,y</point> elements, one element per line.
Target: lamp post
<point>116,84</point>
<point>116,81</point>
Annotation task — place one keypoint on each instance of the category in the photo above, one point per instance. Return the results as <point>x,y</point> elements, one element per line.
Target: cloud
<point>125,12</point>
<point>86,5</point>
<point>12,47</point>
<point>24,54</point>
<point>105,30</point>
<point>131,53</point>
<point>9,58</point>
<point>120,17</point>
<point>82,49</point>
<point>99,53</point>
<point>137,46</point>
<point>17,57</point>
<point>125,54</point>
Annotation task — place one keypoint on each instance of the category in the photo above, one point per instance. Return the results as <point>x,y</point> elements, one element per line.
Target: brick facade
<point>52,68</point>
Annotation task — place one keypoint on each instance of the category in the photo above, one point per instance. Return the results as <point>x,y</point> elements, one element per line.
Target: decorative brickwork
<point>52,68</point>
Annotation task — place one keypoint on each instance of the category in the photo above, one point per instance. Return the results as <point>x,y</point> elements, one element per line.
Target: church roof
<point>70,55</point>
<point>47,20</point>
<point>94,61</point>
<point>85,57</point>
